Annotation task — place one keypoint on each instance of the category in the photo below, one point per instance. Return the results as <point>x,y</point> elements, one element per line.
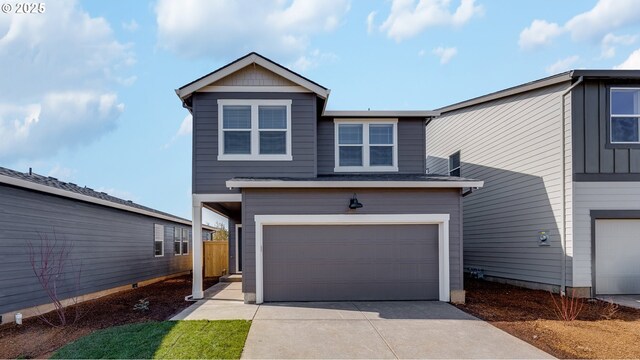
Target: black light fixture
<point>354,203</point>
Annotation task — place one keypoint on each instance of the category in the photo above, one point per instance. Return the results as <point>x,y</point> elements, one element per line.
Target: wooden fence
<point>216,258</point>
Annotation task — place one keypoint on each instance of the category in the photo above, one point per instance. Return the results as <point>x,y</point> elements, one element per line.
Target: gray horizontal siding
<point>411,146</point>
<point>513,144</point>
<point>335,201</point>
<point>111,247</point>
<point>591,152</point>
<point>210,175</point>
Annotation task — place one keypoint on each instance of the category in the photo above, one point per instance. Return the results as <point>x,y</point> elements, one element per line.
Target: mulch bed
<point>599,331</point>
<point>36,339</point>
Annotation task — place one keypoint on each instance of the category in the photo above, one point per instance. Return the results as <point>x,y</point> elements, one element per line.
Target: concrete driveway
<point>377,330</point>
<point>358,330</point>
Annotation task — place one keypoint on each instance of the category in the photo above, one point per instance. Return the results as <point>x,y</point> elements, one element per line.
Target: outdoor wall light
<point>354,203</point>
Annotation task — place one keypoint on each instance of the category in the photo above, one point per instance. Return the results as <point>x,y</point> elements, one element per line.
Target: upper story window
<point>366,145</point>
<point>625,115</point>
<point>254,130</point>
<point>454,164</point>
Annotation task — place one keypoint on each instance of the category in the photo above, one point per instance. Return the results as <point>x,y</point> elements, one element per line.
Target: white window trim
<point>179,241</point>
<point>442,220</point>
<point>255,131</point>
<point>459,165</point>
<point>238,226</point>
<point>611,116</point>
<point>365,146</point>
<point>187,240</point>
<point>158,230</point>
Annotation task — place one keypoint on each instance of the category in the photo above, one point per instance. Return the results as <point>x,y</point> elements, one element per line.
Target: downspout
<point>563,238</point>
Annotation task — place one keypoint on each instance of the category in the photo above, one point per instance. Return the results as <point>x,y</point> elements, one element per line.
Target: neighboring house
<point>113,243</point>
<point>560,158</point>
<point>322,205</point>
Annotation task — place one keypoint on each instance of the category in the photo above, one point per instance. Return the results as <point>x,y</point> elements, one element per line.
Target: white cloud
<point>131,26</point>
<point>592,25</point>
<point>56,73</point>
<point>563,64</point>
<point>605,16</point>
<point>445,54</point>
<point>370,19</point>
<point>408,19</point>
<point>62,173</point>
<point>270,26</point>
<point>422,52</point>
<point>186,128</point>
<point>631,63</point>
<point>313,59</point>
<point>610,41</point>
<point>60,120</point>
<point>539,33</point>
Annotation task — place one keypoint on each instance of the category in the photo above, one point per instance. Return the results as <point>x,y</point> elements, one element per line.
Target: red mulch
<point>601,331</point>
<point>36,339</point>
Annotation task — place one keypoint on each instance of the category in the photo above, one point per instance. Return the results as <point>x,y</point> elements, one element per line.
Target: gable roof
<point>187,90</point>
<point>544,82</point>
<point>50,185</point>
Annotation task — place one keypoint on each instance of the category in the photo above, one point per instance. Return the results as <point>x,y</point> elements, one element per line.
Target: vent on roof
<point>102,192</point>
<point>52,178</point>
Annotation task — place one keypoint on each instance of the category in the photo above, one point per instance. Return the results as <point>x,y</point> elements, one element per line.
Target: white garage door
<point>617,256</point>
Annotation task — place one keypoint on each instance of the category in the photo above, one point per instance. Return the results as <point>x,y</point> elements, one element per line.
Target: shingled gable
<point>253,58</point>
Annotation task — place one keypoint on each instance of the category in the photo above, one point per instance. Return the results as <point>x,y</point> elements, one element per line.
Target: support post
<point>197,252</point>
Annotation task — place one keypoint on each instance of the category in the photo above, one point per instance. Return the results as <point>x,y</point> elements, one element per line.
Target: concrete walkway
<point>223,301</point>
<point>632,301</point>
<point>358,330</point>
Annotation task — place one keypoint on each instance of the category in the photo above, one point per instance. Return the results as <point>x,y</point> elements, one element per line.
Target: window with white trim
<point>625,116</point>
<point>177,241</point>
<point>454,164</point>
<point>254,130</point>
<point>158,240</point>
<point>186,236</point>
<point>366,145</point>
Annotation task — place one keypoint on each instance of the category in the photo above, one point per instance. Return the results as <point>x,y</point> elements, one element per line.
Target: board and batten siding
<point>411,145</point>
<point>623,195</point>
<point>335,201</point>
<point>513,144</point>
<point>210,175</point>
<point>112,247</point>
<point>594,158</point>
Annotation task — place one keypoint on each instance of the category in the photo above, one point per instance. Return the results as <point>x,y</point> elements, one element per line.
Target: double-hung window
<point>158,240</point>
<point>186,235</point>
<point>254,130</point>
<point>177,241</point>
<point>366,145</point>
<point>625,116</point>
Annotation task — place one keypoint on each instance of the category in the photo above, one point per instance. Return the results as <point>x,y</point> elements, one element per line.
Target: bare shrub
<point>50,263</point>
<point>567,308</point>
<point>610,310</point>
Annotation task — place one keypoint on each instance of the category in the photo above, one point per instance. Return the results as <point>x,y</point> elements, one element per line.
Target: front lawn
<point>601,331</point>
<point>162,340</point>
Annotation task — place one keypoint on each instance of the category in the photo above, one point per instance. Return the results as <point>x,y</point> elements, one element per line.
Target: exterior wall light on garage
<point>354,203</point>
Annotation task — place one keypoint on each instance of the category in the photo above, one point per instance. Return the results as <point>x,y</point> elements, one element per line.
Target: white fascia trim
<point>230,69</point>
<point>90,199</point>
<point>238,226</point>
<point>260,89</point>
<point>380,113</point>
<point>203,198</point>
<point>442,220</point>
<point>254,131</point>
<point>351,184</point>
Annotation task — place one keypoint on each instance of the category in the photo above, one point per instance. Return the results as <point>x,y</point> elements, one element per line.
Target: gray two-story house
<point>560,158</point>
<point>322,205</point>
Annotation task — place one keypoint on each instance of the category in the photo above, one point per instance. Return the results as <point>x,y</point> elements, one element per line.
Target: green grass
<point>222,339</point>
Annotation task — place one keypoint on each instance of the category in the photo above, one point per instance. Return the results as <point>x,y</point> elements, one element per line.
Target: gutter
<point>563,238</point>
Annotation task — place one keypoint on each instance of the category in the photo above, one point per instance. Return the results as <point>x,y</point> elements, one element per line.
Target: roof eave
<point>353,184</point>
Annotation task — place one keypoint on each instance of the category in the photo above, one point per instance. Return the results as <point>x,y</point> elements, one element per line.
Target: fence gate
<point>216,258</point>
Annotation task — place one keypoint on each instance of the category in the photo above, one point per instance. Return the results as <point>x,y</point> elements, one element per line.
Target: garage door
<point>617,257</point>
<point>350,262</point>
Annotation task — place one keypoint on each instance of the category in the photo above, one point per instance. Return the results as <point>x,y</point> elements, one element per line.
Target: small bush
<point>610,310</point>
<point>142,305</point>
<point>567,308</point>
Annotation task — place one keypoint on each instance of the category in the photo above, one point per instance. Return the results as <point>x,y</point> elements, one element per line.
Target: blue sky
<point>87,87</point>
